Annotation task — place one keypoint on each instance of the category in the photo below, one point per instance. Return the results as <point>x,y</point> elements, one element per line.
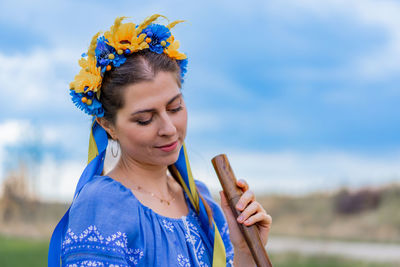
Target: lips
<point>169,147</point>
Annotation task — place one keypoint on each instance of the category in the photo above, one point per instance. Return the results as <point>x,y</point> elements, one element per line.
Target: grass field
<point>316,216</point>
<point>15,252</point>
<point>292,259</point>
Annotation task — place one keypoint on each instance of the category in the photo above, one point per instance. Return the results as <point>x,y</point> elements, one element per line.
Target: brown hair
<point>139,67</point>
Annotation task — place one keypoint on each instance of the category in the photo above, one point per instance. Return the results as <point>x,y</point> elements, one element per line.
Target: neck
<point>151,178</point>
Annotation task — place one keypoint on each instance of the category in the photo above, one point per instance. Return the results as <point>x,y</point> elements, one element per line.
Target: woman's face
<point>151,127</point>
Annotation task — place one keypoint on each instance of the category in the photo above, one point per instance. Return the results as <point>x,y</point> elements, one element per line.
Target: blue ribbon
<point>95,167</point>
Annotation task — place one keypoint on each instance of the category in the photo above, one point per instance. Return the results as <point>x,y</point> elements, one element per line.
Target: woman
<point>148,210</point>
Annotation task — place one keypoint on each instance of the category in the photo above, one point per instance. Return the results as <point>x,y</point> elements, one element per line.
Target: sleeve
<point>220,220</point>
<point>97,233</point>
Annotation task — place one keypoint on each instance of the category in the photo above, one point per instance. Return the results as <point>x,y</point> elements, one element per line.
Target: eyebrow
<point>153,109</point>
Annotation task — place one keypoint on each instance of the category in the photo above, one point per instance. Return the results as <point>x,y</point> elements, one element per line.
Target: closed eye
<point>176,109</point>
<point>143,123</point>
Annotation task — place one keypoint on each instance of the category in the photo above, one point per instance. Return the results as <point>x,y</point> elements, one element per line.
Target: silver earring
<point>112,148</point>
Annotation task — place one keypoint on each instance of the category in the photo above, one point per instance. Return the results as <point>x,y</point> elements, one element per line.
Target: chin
<point>167,160</point>
<point>173,158</point>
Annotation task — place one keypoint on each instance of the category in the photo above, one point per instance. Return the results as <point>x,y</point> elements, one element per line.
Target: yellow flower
<point>124,36</point>
<point>88,77</point>
<point>172,49</point>
<point>89,65</point>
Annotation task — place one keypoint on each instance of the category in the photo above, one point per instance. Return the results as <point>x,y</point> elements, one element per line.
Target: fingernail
<point>239,206</point>
<point>240,218</point>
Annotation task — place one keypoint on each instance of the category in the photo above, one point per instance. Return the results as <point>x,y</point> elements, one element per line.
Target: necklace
<point>139,188</point>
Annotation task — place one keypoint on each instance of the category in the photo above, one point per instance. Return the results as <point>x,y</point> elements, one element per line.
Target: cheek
<point>181,122</point>
<point>136,135</point>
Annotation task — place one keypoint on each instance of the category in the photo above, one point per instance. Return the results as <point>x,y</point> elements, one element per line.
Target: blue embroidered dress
<point>108,226</point>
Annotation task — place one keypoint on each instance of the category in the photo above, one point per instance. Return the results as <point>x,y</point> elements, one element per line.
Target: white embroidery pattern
<point>87,263</point>
<point>225,238</point>
<point>229,259</point>
<point>225,230</point>
<point>115,244</point>
<point>92,263</point>
<point>183,261</point>
<point>192,236</point>
<point>168,225</point>
<point>136,256</point>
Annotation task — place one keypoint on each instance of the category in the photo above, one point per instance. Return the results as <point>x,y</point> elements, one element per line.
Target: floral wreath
<point>110,50</point>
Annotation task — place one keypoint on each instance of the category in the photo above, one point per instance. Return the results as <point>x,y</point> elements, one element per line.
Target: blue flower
<point>157,33</point>
<point>102,52</point>
<point>118,60</point>
<point>183,66</point>
<point>95,108</point>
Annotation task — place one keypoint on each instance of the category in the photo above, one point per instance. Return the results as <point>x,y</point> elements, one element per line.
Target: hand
<point>251,213</point>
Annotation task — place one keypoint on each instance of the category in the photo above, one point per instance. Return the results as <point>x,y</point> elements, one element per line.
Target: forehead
<point>150,94</point>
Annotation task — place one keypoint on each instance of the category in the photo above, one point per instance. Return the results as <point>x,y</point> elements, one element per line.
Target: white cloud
<point>385,61</point>
<point>376,64</point>
<point>299,173</point>
<point>287,172</point>
<point>30,81</point>
<point>274,173</point>
<point>56,181</point>
<point>68,137</point>
<point>11,132</point>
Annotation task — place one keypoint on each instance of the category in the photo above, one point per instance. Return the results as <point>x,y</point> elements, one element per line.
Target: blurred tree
<point>346,202</point>
<point>28,154</point>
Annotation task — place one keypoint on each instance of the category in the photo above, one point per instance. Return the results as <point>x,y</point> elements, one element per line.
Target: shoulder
<point>102,202</point>
<point>206,194</point>
<point>103,191</point>
<point>202,187</point>
<point>102,225</point>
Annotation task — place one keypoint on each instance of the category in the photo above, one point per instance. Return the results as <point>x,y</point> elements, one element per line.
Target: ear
<point>107,126</point>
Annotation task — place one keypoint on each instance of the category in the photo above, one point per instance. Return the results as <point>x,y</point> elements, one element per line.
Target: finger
<point>263,219</point>
<point>242,184</point>
<point>246,198</point>
<point>252,208</point>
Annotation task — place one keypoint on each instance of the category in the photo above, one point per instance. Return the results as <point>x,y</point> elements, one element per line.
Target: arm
<point>236,248</point>
<point>251,213</point>
<point>243,259</point>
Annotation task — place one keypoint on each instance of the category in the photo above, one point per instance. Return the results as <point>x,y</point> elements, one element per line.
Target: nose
<point>167,127</point>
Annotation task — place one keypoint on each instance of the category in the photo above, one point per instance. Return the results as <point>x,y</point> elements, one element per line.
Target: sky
<point>301,95</point>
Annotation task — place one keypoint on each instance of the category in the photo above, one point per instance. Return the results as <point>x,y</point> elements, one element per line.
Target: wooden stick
<point>232,194</point>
